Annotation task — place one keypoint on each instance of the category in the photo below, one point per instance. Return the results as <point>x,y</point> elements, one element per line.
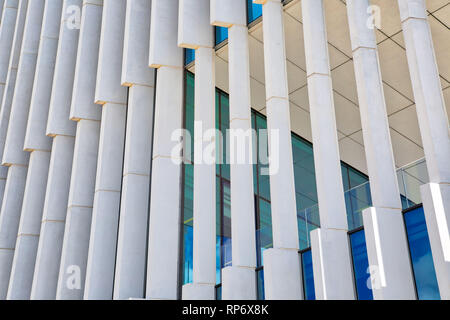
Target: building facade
<point>224,149</point>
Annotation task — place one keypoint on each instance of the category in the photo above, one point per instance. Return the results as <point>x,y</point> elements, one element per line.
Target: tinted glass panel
<point>189,56</point>
<point>260,284</point>
<point>254,11</point>
<point>361,265</point>
<point>422,260</point>
<point>221,34</point>
<point>308,276</point>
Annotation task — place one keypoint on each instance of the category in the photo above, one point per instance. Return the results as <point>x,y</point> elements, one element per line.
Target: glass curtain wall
<point>306,194</point>
<point>357,197</point>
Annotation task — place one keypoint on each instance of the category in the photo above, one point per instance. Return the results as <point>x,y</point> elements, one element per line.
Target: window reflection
<point>361,265</point>
<point>420,250</point>
<point>308,276</point>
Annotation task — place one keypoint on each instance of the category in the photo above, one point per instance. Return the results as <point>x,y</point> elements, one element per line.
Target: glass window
<point>357,199</point>
<point>219,293</point>
<point>422,260</point>
<point>264,229</point>
<point>226,225</point>
<point>361,265</point>
<point>308,276</point>
<point>221,34</point>
<point>254,11</point>
<point>224,126</point>
<point>355,177</point>
<point>189,56</point>
<point>305,188</point>
<point>188,223</point>
<point>260,284</point>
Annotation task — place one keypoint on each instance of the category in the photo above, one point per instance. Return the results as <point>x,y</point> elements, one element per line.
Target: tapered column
<point>282,271</point>
<point>29,227</point>
<point>8,93</point>
<point>165,194</point>
<point>333,276</point>
<point>18,174</point>
<point>72,272</point>
<point>62,129</point>
<point>387,246</point>
<point>113,97</point>
<point>132,238</point>
<point>239,280</point>
<point>9,224</point>
<point>8,18</point>
<point>53,219</point>
<point>195,31</point>
<point>39,144</point>
<point>434,129</point>
<point>13,155</point>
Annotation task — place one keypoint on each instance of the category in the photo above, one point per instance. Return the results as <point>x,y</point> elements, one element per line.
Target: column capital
<point>412,9</point>
<point>164,50</point>
<point>194,28</point>
<point>360,33</point>
<point>226,13</point>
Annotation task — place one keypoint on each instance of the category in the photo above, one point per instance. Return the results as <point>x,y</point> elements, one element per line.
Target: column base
<point>436,203</point>
<point>199,291</point>
<point>238,283</point>
<point>388,253</point>
<point>282,275</point>
<point>333,276</point>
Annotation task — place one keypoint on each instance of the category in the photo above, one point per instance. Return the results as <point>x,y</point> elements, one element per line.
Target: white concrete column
<point>8,18</point>
<point>62,129</point>
<point>195,31</point>
<point>113,97</point>
<point>53,220</point>
<point>434,129</point>
<point>9,224</point>
<point>29,227</point>
<point>74,254</point>
<point>282,270</point>
<point>14,155</point>
<point>333,276</point>
<point>165,195</point>
<point>387,247</point>
<point>6,98</point>
<point>239,280</point>
<point>129,281</point>
<point>39,144</point>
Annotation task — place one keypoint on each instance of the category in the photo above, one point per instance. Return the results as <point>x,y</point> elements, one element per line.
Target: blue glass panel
<point>361,265</point>
<point>260,284</point>
<point>308,276</point>
<point>254,11</point>
<point>218,231</point>
<point>189,115</point>
<point>219,293</point>
<point>188,254</point>
<point>422,260</point>
<point>189,56</point>
<point>226,236</point>
<point>221,34</point>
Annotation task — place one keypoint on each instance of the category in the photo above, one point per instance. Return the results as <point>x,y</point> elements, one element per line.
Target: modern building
<point>224,149</point>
